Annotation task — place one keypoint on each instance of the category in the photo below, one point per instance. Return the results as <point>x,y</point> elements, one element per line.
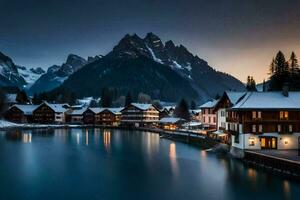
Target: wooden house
<point>20,113</point>
<point>265,120</point>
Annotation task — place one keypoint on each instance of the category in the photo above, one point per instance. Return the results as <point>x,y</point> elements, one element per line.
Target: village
<point>243,120</point>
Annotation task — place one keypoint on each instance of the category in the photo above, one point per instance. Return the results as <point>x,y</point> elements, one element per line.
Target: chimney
<point>285,90</point>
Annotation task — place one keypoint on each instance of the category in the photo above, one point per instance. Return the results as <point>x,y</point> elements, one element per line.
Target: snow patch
<point>154,57</point>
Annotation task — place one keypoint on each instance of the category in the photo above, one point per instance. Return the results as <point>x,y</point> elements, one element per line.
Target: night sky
<point>239,37</point>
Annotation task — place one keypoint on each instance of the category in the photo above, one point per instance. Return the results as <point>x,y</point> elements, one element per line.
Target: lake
<point>116,164</point>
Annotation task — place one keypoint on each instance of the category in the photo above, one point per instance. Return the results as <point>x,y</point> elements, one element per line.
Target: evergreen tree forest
<point>284,73</point>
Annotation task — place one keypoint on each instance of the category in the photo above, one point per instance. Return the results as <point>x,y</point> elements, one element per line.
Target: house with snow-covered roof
<point>208,114</point>
<point>50,113</point>
<point>139,115</point>
<point>20,113</point>
<point>265,120</point>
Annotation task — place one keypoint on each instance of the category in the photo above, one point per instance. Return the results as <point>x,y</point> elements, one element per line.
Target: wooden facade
<point>44,114</point>
<point>266,121</point>
<point>107,118</point>
<point>89,117</point>
<point>14,114</point>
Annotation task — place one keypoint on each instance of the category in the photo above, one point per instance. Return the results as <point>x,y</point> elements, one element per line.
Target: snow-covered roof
<point>234,97</point>
<point>196,111</point>
<point>209,104</point>
<point>170,120</point>
<point>168,108</point>
<point>142,106</point>
<point>26,109</point>
<point>116,111</point>
<point>269,100</point>
<point>96,110</point>
<point>58,108</point>
<point>78,112</point>
<point>193,124</point>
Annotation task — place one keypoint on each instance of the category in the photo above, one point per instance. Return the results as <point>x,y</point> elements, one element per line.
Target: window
<point>253,114</point>
<point>260,128</point>
<point>290,128</point>
<point>253,128</point>
<point>222,113</point>
<point>259,114</point>
<point>283,114</point>
<point>251,141</point>
<point>279,128</point>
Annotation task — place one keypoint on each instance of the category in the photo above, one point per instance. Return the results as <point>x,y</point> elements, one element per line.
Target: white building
<point>266,120</point>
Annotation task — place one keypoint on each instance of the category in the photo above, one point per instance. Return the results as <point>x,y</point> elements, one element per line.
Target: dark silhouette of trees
<point>22,97</point>
<point>284,73</point>
<point>106,97</point>
<point>193,105</point>
<point>128,99</point>
<point>182,110</point>
<point>2,101</point>
<point>251,85</point>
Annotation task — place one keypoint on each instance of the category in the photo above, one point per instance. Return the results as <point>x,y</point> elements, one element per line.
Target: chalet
<point>20,113</point>
<point>139,115</point>
<point>171,123</point>
<point>108,116</point>
<point>208,114</point>
<point>228,100</point>
<point>89,115</point>
<point>265,120</point>
<point>50,113</point>
<point>75,116</point>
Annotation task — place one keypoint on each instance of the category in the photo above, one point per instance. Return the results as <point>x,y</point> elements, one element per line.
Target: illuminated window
<point>259,114</point>
<point>283,114</point>
<point>253,114</point>
<point>260,128</point>
<point>253,128</point>
<point>251,141</point>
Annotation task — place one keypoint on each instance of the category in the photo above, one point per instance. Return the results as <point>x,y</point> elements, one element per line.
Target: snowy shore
<point>4,125</point>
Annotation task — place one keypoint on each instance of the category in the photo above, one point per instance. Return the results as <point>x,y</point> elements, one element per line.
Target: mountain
<point>9,75</point>
<point>162,70</point>
<point>30,75</point>
<point>56,74</point>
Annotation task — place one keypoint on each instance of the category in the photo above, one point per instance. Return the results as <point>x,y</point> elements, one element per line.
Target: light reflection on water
<point>137,160</point>
<point>173,159</point>
<point>106,139</point>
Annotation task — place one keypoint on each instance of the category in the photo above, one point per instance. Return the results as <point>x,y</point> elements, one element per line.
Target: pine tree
<point>106,97</point>
<point>281,75</point>
<point>272,67</point>
<point>22,97</point>
<point>2,101</point>
<point>193,105</point>
<point>294,67</point>
<point>182,110</point>
<point>128,99</point>
<point>251,84</point>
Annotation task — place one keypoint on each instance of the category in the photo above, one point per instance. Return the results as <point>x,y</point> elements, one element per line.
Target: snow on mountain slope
<point>30,75</point>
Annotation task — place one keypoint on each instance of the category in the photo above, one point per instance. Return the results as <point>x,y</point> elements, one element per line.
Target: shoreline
<point>187,137</point>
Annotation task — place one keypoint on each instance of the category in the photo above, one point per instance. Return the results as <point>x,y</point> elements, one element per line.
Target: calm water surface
<point>115,164</point>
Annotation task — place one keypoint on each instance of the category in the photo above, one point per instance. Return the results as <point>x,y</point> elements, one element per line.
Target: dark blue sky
<point>236,36</point>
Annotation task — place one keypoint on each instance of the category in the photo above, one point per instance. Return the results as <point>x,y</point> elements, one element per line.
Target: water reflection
<point>78,138</point>
<point>106,139</point>
<point>172,154</point>
<point>286,189</point>
<point>86,137</point>
<point>27,137</point>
